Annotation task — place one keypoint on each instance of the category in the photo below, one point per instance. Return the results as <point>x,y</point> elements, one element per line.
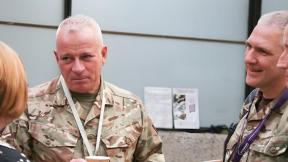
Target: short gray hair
<point>275,18</point>
<point>77,22</point>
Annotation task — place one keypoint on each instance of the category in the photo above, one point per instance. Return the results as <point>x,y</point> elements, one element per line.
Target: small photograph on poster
<point>185,108</point>
<point>179,107</point>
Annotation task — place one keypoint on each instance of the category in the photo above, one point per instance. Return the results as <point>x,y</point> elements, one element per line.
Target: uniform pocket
<point>275,146</point>
<point>52,136</point>
<point>120,142</point>
<point>51,143</point>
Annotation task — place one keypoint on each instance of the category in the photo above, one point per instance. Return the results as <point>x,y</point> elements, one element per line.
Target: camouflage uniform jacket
<point>47,132</point>
<point>272,141</point>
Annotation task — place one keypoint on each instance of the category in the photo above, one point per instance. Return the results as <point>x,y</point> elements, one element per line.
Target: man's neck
<point>84,96</point>
<point>274,92</point>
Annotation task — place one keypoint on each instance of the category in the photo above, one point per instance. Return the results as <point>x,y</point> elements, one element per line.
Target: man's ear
<point>56,56</point>
<point>104,53</point>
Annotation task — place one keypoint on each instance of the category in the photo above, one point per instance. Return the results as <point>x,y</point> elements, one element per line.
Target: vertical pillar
<point>67,8</point>
<point>254,15</point>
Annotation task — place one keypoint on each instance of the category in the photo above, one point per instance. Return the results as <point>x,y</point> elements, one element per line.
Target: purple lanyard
<point>244,146</point>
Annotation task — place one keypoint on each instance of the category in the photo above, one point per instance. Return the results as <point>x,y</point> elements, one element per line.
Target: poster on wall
<point>158,102</point>
<point>172,108</point>
<point>185,108</point>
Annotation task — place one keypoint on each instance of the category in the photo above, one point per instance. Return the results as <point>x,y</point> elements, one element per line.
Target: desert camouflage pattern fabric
<point>47,132</point>
<point>272,141</point>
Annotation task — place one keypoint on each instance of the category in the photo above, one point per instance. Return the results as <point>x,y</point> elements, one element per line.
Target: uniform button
<point>249,127</point>
<point>91,136</point>
<point>274,149</point>
<point>128,141</point>
<point>48,142</point>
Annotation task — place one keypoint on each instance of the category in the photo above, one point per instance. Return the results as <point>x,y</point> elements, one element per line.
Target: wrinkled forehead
<point>269,33</point>
<point>266,37</point>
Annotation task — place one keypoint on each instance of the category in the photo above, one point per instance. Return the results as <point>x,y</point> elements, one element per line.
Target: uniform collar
<point>107,92</point>
<point>61,100</point>
<point>252,106</point>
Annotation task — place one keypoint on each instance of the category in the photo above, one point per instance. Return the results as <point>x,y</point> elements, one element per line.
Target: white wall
<point>222,19</point>
<point>34,45</point>
<point>45,12</point>
<point>268,5</point>
<point>216,68</point>
<point>181,44</point>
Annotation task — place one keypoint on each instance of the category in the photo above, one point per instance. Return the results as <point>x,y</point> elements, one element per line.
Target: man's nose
<point>78,67</point>
<point>250,56</point>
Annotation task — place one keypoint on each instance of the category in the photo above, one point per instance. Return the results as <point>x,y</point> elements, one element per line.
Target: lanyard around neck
<point>78,120</point>
<point>244,146</point>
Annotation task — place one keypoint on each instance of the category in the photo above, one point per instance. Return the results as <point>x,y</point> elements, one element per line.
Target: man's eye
<point>86,57</point>
<point>66,58</point>
<point>263,52</point>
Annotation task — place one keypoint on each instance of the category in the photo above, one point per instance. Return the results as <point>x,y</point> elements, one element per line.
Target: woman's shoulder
<point>8,154</point>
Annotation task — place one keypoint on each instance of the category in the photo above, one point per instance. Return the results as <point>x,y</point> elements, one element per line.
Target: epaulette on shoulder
<point>117,91</point>
<point>42,89</point>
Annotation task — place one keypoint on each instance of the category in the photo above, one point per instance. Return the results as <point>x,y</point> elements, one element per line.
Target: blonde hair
<point>13,84</point>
